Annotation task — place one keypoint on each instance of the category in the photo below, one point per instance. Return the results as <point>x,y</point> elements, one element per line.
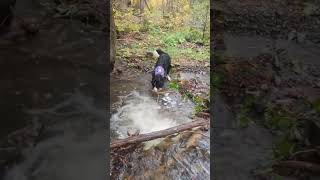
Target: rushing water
<point>136,107</point>
<point>185,156</point>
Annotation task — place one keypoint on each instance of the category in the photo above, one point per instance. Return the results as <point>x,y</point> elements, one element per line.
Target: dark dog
<point>161,69</point>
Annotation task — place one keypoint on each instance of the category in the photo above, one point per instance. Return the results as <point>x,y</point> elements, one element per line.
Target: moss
<point>218,59</point>
<point>284,147</point>
<point>277,118</point>
<point>243,115</point>
<point>174,85</point>
<point>316,105</point>
<point>217,79</point>
<point>199,108</point>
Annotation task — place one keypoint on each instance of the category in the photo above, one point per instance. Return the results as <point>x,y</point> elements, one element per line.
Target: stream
<point>186,156</point>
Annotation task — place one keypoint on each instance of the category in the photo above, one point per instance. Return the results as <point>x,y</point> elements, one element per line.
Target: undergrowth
<point>243,115</point>
<point>152,30</point>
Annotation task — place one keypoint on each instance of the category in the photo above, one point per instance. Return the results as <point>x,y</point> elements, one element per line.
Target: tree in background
<point>200,12</point>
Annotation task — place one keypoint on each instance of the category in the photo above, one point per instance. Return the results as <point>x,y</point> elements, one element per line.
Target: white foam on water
<point>141,113</point>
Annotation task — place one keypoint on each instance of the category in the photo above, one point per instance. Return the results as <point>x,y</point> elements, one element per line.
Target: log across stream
<point>159,134</point>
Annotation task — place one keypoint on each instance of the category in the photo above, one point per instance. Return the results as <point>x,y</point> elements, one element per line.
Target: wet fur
<point>164,60</point>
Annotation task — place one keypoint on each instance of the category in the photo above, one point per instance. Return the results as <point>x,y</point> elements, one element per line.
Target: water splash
<point>141,113</point>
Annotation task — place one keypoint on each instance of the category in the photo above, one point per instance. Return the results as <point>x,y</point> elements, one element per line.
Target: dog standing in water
<point>161,69</point>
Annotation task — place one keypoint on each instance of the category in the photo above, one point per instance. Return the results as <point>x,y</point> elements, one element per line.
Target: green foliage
<point>171,31</point>
<point>243,116</point>
<point>188,53</point>
<point>198,108</point>
<point>216,79</point>
<point>186,35</point>
<point>316,105</point>
<point>288,128</point>
<point>200,104</point>
<point>173,39</point>
<point>277,177</point>
<point>200,13</point>
<point>174,85</point>
<point>276,118</point>
<point>188,95</point>
<point>218,59</point>
<point>194,35</point>
<point>126,22</point>
<point>283,148</point>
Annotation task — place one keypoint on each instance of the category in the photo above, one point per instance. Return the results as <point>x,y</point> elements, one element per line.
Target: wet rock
<point>292,35</point>
<point>296,67</point>
<point>301,37</point>
<point>48,96</point>
<point>254,93</point>
<point>293,93</point>
<point>277,80</point>
<point>317,84</point>
<point>284,102</point>
<point>264,87</point>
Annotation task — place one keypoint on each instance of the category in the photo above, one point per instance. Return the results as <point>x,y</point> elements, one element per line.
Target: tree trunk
<point>163,7</point>
<point>112,42</point>
<point>142,6</point>
<point>124,4</point>
<point>158,134</point>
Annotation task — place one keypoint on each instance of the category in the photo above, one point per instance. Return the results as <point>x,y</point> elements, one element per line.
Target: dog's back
<point>164,60</point>
<point>162,66</point>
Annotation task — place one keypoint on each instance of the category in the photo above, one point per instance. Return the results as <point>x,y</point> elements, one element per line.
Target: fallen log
<point>159,134</point>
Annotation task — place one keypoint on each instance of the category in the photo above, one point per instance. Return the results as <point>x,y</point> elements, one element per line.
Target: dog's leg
<point>168,77</point>
<point>155,89</point>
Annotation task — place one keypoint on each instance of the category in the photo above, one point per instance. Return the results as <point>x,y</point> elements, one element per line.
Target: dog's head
<point>159,51</point>
<point>155,54</point>
<point>158,81</point>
